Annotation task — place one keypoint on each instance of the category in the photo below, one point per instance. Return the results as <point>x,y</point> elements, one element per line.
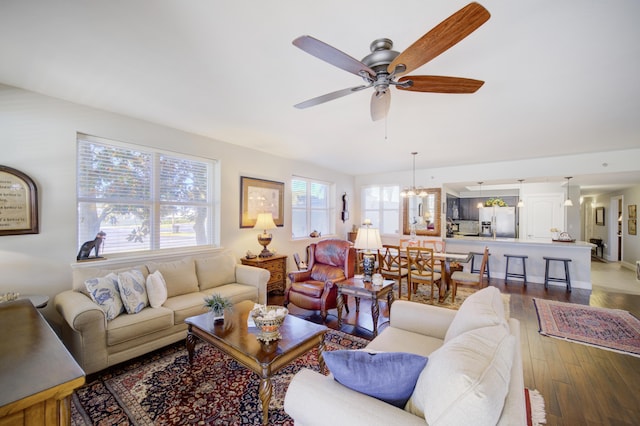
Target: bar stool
<point>566,279</point>
<point>474,269</point>
<point>523,275</point>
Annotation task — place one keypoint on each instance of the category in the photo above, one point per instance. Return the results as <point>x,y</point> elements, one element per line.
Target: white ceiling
<point>562,77</point>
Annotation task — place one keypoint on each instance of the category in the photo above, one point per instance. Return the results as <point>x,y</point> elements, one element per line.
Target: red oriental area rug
<point>612,329</point>
<point>161,388</point>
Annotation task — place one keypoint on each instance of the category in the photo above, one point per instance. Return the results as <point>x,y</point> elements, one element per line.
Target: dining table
<point>446,259</point>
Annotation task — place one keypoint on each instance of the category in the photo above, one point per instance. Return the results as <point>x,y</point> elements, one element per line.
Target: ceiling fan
<point>384,67</point>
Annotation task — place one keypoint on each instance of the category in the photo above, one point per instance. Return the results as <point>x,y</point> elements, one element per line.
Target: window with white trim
<point>312,208</point>
<point>381,204</point>
<point>143,199</point>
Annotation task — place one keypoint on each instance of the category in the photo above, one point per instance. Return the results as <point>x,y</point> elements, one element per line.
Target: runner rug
<point>612,329</point>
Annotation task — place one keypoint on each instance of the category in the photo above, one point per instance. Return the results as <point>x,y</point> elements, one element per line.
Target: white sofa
<point>97,343</point>
<point>468,379</point>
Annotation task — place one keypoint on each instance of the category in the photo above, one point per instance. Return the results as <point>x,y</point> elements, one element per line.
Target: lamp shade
<point>265,221</point>
<point>368,239</point>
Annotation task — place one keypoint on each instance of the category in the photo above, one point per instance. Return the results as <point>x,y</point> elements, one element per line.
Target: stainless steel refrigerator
<point>503,220</point>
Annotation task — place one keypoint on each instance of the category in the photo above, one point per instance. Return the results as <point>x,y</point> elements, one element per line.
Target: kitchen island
<point>579,252</point>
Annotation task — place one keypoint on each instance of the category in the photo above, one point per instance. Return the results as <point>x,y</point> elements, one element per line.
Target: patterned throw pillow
<point>133,291</point>
<point>156,289</point>
<point>104,292</point>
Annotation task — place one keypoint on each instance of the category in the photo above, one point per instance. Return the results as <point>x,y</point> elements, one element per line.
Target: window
<point>311,207</point>
<point>143,199</point>
<point>381,204</point>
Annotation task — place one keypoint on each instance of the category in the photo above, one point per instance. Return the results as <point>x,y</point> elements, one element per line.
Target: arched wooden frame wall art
<point>18,203</point>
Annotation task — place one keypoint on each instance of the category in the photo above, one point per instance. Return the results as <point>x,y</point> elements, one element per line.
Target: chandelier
<point>413,191</point>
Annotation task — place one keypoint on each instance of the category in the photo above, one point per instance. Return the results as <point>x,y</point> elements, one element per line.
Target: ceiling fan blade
<point>442,37</point>
<point>329,97</point>
<point>330,54</point>
<point>380,103</point>
<point>440,84</point>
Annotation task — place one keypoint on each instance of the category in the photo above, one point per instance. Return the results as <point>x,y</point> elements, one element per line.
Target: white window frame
<point>154,203</point>
<point>380,210</point>
<point>308,209</point>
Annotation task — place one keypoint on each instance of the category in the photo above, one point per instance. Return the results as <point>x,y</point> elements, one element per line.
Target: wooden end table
<point>277,267</point>
<point>357,288</point>
<point>235,338</point>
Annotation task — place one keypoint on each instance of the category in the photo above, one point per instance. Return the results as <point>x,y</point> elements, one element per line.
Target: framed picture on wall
<point>632,211</point>
<point>632,226</point>
<point>260,196</point>
<point>18,203</point>
<point>600,216</point>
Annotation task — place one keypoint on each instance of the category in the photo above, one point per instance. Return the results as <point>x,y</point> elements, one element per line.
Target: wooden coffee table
<point>235,338</point>
<point>357,288</point>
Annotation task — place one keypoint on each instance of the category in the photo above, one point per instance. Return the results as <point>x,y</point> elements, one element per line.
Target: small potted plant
<point>216,304</point>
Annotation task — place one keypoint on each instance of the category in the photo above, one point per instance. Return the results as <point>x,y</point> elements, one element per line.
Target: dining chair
<point>421,269</point>
<point>392,266</point>
<point>408,242</point>
<point>469,278</point>
<point>438,246</point>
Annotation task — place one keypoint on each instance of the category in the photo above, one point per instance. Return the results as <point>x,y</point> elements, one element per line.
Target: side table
<point>357,288</point>
<point>38,300</point>
<point>276,265</point>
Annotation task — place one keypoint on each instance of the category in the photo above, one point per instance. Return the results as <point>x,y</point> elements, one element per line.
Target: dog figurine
<point>87,247</point>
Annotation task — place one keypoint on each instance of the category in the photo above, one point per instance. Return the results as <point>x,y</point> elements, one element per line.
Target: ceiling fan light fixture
<point>384,67</point>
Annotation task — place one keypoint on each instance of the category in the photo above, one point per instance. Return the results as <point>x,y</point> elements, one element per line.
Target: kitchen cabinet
<point>469,209</point>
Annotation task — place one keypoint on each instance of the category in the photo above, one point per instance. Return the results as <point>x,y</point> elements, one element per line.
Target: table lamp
<point>264,222</point>
<point>368,239</point>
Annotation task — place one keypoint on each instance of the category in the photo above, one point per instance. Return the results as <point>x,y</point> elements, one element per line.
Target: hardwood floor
<point>581,385</point>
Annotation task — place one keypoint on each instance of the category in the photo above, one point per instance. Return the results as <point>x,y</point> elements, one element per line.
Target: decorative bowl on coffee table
<point>268,319</point>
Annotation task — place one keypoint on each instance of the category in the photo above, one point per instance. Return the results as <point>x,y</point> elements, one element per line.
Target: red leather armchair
<point>330,261</point>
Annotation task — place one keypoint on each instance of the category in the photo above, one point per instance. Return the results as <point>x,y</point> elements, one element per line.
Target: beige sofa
<point>473,376</point>
<point>97,343</point>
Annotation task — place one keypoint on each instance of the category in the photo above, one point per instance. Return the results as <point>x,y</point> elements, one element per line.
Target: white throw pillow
<point>466,380</point>
<point>482,309</point>
<point>104,292</point>
<point>156,289</point>
<point>133,291</point>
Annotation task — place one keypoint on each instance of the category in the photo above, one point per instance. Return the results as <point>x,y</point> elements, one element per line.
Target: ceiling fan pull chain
<point>386,120</point>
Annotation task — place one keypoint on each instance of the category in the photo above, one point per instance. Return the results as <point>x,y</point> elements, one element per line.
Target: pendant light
<point>480,203</point>
<point>413,191</point>
<point>520,202</point>
<point>568,202</point>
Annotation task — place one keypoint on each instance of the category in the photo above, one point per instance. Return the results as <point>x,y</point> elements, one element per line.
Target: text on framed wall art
<point>18,203</point>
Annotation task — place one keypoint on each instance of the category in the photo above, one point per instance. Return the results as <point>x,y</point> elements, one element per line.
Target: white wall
<point>38,137</point>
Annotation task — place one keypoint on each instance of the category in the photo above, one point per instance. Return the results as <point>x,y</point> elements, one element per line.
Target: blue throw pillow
<point>388,376</point>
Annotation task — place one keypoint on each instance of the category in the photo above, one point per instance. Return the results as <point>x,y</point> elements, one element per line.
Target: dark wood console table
<point>37,373</point>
